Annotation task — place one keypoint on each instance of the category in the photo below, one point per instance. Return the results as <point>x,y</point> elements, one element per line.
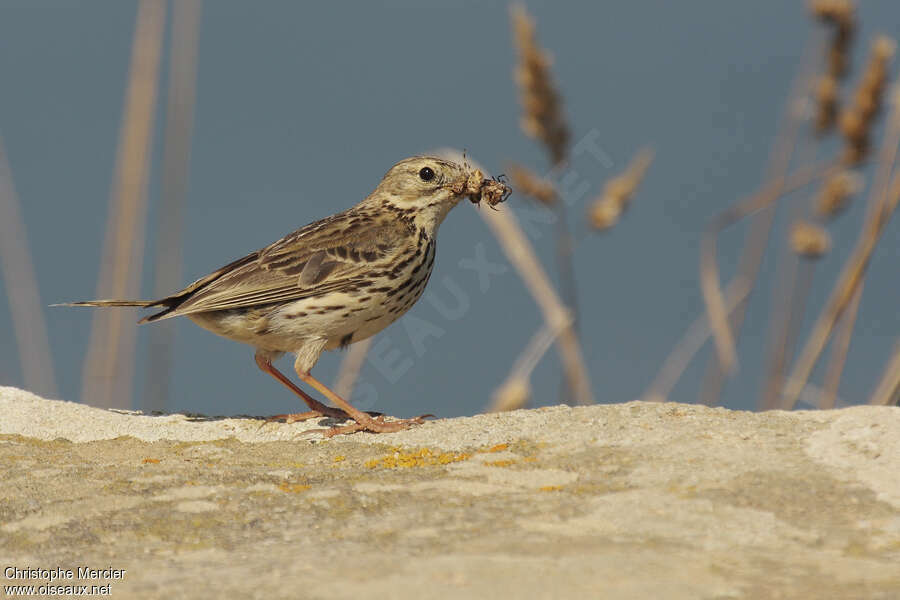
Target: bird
<point>334,282</point>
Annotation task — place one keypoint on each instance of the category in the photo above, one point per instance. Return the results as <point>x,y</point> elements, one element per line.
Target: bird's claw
<point>376,425</point>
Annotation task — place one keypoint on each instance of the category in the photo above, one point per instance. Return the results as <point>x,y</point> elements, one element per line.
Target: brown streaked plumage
<point>333,282</point>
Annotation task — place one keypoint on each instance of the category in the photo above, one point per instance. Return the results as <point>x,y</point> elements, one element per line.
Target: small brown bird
<point>334,282</point>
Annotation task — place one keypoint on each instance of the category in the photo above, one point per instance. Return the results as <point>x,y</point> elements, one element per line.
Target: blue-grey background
<point>301,108</point>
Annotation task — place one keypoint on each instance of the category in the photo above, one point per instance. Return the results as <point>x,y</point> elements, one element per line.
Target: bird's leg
<point>364,422</point>
<point>318,409</point>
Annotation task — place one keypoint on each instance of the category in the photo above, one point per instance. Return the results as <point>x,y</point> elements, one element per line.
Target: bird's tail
<point>169,305</point>
<point>141,303</point>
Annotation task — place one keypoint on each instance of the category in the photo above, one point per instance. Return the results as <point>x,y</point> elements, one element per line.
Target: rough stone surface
<point>634,500</point>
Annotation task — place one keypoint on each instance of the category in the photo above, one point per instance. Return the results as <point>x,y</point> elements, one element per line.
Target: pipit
<point>334,282</point>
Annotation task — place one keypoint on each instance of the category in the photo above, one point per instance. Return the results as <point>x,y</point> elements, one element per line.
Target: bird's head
<point>427,187</point>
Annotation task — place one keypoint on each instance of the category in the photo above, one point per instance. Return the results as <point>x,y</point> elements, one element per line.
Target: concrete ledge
<point>634,500</point>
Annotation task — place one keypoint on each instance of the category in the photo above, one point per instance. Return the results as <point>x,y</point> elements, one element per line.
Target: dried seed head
<point>809,240</point>
<point>512,395</point>
<point>605,211</point>
<point>883,48</point>
<point>827,97</point>
<point>833,11</point>
<point>838,61</point>
<point>530,184</point>
<point>839,15</point>
<point>543,118</point>
<point>856,137</point>
<point>836,193</point>
<point>869,93</point>
<point>856,121</point>
<point>852,125</point>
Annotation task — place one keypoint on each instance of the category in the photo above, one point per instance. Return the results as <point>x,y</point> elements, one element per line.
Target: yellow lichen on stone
<point>340,458</point>
<point>293,488</point>
<point>550,488</point>
<point>150,461</point>
<point>424,457</point>
<point>498,448</point>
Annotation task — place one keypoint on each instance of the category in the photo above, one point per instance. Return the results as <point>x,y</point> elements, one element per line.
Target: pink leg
<point>364,422</point>
<point>318,409</point>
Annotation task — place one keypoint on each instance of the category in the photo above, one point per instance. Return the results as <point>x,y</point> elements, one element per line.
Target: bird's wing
<point>328,256</point>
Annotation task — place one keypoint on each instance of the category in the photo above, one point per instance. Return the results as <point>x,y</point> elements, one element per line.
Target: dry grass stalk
<point>793,280</point>
<point>109,365</point>
<point>757,238</point>
<point>878,202</point>
<point>791,293</point>
<point>516,246</point>
<point>848,283</point>
<point>887,154</point>
<point>857,120</point>
<point>351,365</point>
<point>605,211</point>
<point>528,183</point>
<point>173,195</point>
<point>26,309</point>
<point>826,93</point>
<point>887,392</point>
<point>691,342</point>
<point>809,240</point>
<point>510,395</point>
<point>794,271</point>
<point>836,193</point>
<point>514,243</point>
<point>839,348</point>
<point>543,117</point>
<point>811,396</point>
<point>565,251</point>
<point>840,16</point>
<point>709,277</point>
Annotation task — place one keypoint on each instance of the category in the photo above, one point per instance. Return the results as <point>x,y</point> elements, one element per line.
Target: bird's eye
<point>426,174</point>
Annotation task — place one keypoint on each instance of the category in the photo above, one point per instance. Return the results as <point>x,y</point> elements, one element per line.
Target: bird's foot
<point>332,413</point>
<point>375,425</point>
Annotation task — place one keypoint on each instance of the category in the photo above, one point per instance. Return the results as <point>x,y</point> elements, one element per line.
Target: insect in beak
<point>493,191</point>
